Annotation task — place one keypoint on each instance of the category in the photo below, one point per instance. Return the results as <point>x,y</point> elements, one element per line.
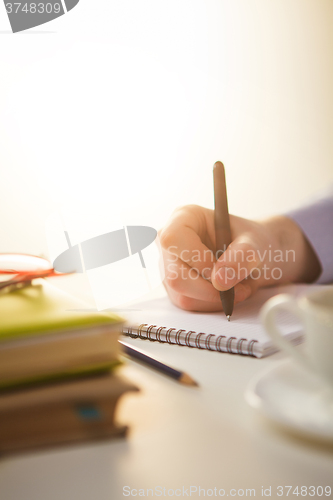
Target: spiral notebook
<point>159,320</point>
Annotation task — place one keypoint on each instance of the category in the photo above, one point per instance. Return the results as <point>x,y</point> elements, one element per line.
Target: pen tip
<point>228,318</point>
<point>187,380</point>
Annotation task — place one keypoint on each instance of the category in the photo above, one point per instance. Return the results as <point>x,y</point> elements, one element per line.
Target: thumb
<point>236,263</point>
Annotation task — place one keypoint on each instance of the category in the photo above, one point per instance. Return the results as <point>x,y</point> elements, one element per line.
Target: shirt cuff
<point>316,222</point>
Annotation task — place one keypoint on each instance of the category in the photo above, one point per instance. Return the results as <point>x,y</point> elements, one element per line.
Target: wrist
<point>298,261</point>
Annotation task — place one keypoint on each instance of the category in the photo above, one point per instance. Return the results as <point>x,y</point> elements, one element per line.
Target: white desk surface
<point>179,437</point>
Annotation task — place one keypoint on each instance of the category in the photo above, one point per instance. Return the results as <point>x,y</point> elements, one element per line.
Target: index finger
<point>182,238</point>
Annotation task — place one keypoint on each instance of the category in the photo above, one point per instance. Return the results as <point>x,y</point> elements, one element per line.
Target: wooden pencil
<point>139,355</point>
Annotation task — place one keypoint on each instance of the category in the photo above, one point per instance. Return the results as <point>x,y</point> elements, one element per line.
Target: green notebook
<point>42,309</point>
<point>46,334</point>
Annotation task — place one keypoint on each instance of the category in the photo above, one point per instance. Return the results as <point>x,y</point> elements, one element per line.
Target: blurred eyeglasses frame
<point>23,269</point>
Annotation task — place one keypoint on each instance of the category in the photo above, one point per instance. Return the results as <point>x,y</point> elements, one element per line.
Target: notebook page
<point>244,324</point>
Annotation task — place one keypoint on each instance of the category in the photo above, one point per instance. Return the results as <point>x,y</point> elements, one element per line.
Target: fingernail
<point>239,295</point>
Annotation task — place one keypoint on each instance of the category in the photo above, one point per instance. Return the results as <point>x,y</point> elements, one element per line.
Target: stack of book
<point>57,370</point>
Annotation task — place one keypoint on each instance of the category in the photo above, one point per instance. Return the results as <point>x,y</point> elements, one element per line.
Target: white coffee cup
<point>315,312</point>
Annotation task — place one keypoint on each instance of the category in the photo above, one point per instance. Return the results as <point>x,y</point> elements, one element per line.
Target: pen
<point>138,355</point>
<point>222,229</point>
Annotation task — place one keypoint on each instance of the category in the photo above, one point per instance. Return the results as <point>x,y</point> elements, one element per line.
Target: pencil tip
<point>187,380</point>
<point>228,318</point>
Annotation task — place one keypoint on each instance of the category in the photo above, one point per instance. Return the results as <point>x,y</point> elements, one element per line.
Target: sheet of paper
<point>245,321</point>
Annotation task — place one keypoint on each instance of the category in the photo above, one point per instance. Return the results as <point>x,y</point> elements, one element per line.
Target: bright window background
<point>124,106</point>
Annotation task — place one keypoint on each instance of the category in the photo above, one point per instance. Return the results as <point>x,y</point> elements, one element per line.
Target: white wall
<point>125,106</point>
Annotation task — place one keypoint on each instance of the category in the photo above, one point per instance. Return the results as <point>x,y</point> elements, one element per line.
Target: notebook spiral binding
<point>191,338</point>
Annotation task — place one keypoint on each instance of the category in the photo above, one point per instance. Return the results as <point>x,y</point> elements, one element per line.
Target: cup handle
<point>283,302</point>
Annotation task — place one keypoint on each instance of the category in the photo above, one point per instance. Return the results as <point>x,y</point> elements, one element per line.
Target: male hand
<point>262,253</point>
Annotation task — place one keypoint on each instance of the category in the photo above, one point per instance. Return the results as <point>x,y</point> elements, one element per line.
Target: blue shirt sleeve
<point>316,222</point>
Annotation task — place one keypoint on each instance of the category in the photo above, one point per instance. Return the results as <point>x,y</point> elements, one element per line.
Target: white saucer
<point>293,398</point>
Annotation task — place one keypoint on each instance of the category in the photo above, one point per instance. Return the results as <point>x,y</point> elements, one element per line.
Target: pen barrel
<point>221,214</point>
<point>153,363</point>
<point>227,298</point>
<point>222,229</point>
